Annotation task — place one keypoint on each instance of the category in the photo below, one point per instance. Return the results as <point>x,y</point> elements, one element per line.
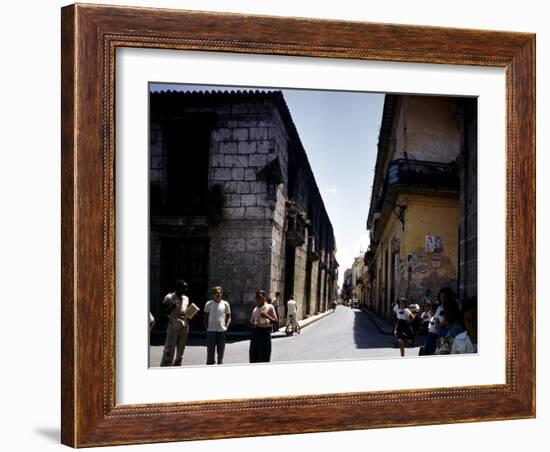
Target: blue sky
<point>339,131</point>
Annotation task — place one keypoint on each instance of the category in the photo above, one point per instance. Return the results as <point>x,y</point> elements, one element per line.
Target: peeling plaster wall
<point>425,215</point>
<point>427,128</point>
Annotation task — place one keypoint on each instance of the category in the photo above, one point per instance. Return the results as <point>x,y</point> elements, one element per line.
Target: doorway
<point>186,259</point>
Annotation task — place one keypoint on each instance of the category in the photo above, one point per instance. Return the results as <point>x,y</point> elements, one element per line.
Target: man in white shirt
<point>466,342</point>
<point>292,314</point>
<point>217,317</point>
<point>175,304</point>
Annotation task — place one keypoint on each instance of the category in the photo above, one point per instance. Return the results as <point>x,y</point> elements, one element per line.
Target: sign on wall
<point>420,265</point>
<point>436,260</point>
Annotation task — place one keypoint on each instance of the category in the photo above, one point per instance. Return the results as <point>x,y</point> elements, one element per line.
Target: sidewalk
<point>244,334</point>
<point>382,325</point>
<point>303,323</point>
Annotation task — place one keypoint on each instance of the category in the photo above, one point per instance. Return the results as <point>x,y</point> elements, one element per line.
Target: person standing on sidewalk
<point>429,316</point>
<point>466,342</point>
<point>403,331</point>
<point>217,317</point>
<point>276,303</point>
<point>262,318</point>
<point>292,314</point>
<point>175,304</point>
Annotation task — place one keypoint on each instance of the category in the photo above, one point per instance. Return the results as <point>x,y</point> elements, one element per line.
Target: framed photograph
<point>327,224</point>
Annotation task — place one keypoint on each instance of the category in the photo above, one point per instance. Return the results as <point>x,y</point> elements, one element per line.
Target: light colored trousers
<point>176,340</point>
<point>291,318</point>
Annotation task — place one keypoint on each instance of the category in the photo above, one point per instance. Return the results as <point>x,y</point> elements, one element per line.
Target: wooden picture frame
<point>90,36</point>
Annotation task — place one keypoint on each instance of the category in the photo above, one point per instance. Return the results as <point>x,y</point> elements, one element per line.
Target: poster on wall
<point>433,244</point>
<point>420,264</point>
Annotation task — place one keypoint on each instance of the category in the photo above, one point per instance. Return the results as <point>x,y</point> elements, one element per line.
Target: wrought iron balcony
<point>369,256</point>
<point>296,230</point>
<point>423,174</point>
<point>419,176</point>
<point>416,177</point>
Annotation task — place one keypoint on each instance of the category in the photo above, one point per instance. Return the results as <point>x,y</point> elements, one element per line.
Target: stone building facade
<point>467,161</point>
<point>234,202</point>
<point>422,216</point>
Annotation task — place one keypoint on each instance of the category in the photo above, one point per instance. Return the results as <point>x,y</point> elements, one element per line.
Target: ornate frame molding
<point>90,36</point>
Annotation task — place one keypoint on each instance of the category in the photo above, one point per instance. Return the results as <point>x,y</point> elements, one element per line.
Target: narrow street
<point>345,334</point>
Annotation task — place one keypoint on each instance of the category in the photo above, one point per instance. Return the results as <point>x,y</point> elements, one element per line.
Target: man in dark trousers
<point>217,317</point>
<point>262,318</point>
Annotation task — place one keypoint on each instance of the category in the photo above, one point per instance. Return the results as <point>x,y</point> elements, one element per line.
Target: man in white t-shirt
<point>466,342</point>
<point>292,314</point>
<point>217,317</point>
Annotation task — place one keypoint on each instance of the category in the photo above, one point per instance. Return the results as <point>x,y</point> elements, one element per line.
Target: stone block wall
<point>313,288</point>
<point>157,159</point>
<point>308,200</point>
<point>240,262</point>
<point>248,244</point>
<point>155,295</point>
<point>284,147</point>
<point>241,247</point>
<point>300,279</point>
<point>157,177</point>
<point>277,283</point>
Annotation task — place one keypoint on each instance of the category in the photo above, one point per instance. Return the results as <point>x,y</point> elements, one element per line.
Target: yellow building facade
<point>415,210</point>
<point>404,265</point>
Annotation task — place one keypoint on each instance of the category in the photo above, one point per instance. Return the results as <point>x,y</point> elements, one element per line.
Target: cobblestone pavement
<point>346,334</point>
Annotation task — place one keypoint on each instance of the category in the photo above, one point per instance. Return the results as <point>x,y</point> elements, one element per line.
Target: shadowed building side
<point>234,202</point>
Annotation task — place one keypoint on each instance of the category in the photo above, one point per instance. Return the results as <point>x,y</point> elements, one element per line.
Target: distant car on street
<point>355,303</point>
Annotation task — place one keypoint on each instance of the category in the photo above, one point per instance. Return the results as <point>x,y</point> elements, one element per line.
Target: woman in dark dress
<point>403,330</point>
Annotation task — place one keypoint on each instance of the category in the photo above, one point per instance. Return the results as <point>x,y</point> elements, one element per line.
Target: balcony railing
<point>421,176</point>
<point>368,257</point>
<point>296,230</point>
<point>421,173</point>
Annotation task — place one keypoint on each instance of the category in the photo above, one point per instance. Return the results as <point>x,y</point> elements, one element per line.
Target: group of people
<point>448,326</point>
<point>216,320</point>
